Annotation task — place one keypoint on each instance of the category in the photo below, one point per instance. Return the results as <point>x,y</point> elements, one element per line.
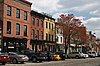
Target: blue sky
<point>86,10</point>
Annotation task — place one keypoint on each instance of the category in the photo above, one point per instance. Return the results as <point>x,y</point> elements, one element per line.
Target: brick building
<point>15,24</point>
<point>37,31</point>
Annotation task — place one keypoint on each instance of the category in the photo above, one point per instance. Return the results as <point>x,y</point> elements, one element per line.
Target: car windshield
<point>3,53</point>
<point>93,52</point>
<point>16,53</point>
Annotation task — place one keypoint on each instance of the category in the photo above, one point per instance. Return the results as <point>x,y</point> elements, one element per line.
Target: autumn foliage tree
<point>70,25</point>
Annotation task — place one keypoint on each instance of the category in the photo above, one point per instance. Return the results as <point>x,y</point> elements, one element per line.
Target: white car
<point>92,54</point>
<point>76,55</point>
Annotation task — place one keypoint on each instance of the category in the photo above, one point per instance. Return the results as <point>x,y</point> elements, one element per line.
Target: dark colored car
<point>34,56</point>
<point>4,58</point>
<point>62,55</point>
<point>48,55</point>
<point>17,57</point>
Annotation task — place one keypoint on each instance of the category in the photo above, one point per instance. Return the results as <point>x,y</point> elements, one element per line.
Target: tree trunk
<point>68,42</point>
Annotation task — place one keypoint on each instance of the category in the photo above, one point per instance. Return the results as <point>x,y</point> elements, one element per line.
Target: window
<point>17,13</point>
<point>9,10</point>
<point>33,34</point>
<point>57,30</point>
<point>37,23</point>
<point>49,26</point>
<point>46,36</point>
<point>46,24</point>
<point>33,21</point>
<point>41,35</point>
<point>57,39</point>
<point>52,37</point>
<point>52,26</point>
<point>37,34</point>
<point>25,30</point>
<point>49,37</point>
<point>41,23</point>
<point>8,27</point>
<point>61,39</point>
<point>17,29</point>
<point>25,15</point>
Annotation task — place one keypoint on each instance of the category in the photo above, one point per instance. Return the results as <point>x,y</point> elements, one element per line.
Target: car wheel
<point>40,60</point>
<point>77,57</point>
<point>14,61</point>
<point>22,62</point>
<point>3,63</point>
<point>34,59</point>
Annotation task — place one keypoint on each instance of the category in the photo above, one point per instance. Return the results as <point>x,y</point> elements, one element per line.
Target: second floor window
<point>33,34</point>
<point>37,34</point>
<point>52,26</point>
<point>52,37</point>
<point>41,35</point>
<point>25,30</point>
<point>61,39</point>
<point>46,24</point>
<point>17,13</point>
<point>46,36</point>
<point>49,37</point>
<point>8,27</point>
<point>25,15</point>
<point>9,10</point>
<point>17,29</point>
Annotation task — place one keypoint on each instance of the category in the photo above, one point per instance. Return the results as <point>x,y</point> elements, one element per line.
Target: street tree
<point>70,26</point>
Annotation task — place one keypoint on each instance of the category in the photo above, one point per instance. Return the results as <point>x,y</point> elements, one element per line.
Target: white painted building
<point>59,38</point>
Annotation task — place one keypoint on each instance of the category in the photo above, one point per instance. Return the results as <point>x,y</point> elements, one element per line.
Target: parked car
<point>4,58</point>
<point>62,55</point>
<point>92,54</point>
<point>56,57</point>
<point>34,56</point>
<point>49,55</point>
<point>76,55</point>
<point>86,55</point>
<point>17,57</point>
<point>98,53</point>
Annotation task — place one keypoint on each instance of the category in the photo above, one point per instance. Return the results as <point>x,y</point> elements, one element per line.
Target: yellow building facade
<point>49,33</point>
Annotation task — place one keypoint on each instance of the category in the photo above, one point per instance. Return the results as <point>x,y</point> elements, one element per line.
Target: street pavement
<point>67,62</point>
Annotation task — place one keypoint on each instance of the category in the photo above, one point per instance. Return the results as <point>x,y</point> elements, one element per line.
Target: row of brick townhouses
<point>22,28</point>
<point>43,32</point>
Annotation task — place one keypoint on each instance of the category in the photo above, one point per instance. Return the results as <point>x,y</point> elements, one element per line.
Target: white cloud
<point>86,10</point>
<point>84,7</point>
<point>45,5</point>
<point>93,23</point>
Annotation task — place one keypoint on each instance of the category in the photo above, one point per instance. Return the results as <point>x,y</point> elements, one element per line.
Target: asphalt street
<point>67,62</point>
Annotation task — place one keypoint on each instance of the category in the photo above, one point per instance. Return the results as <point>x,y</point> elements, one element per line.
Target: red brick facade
<point>12,38</point>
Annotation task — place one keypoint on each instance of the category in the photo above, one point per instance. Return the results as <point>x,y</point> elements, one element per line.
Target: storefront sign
<point>10,47</point>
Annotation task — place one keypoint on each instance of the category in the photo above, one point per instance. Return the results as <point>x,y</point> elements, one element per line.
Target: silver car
<point>76,55</point>
<point>17,57</point>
